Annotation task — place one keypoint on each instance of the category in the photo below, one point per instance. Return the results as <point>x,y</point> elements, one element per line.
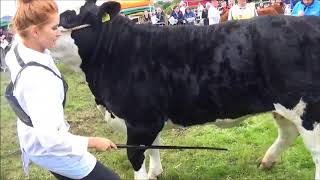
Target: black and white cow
<point>192,75</point>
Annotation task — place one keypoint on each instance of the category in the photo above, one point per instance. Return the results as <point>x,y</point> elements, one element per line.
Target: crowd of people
<point>5,39</point>
<point>212,12</point>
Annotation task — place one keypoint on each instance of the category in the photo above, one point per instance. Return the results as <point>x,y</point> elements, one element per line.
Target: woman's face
<point>307,2</point>
<point>242,2</point>
<point>49,33</point>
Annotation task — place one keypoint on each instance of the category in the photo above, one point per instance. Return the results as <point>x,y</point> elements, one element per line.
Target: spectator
<point>261,6</point>
<point>159,17</point>
<point>213,14</point>
<point>215,4</point>
<point>200,8</point>
<point>3,49</point>
<point>230,3</point>
<point>189,16</point>
<point>176,16</point>
<point>306,8</point>
<point>242,10</point>
<point>205,14</point>
<point>183,7</point>
<point>287,10</point>
<point>146,18</point>
<point>224,8</point>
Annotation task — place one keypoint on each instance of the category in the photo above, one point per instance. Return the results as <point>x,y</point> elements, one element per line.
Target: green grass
<point>246,143</point>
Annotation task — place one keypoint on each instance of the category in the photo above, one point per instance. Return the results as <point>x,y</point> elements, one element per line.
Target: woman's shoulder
<point>317,3</point>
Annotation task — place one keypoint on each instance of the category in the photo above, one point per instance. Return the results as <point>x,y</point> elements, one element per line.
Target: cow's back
<point>193,75</point>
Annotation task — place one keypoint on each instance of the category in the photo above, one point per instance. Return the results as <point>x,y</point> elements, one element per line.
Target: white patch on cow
<point>141,173</point>
<point>317,162</point>
<point>66,51</point>
<point>311,139</point>
<point>155,166</point>
<point>287,133</point>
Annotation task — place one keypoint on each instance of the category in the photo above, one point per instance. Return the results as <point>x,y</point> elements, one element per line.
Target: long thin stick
<point>169,147</point>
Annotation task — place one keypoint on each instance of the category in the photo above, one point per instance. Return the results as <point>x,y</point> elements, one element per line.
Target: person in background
<point>4,45</point>
<point>40,92</point>
<point>306,8</point>
<point>213,13</point>
<point>159,17</point>
<point>205,14</point>
<point>189,16</point>
<point>261,6</point>
<point>287,10</point>
<point>200,8</point>
<point>183,7</point>
<point>230,3</point>
<point>224,8</point>
<point>146,18</point>
<point>242,10</point>
<point>176,16</point>
<point>215,3</point>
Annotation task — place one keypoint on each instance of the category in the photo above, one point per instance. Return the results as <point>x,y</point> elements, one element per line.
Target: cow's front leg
<point>141,134</point>
<point>155,167</point>
<point>311,139</point>
<point>287,133</point>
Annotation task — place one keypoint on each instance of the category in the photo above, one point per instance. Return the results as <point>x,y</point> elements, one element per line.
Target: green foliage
<point>246,143</point>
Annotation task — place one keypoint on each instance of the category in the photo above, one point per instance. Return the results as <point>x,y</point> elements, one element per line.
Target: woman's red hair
<point>33,12</point>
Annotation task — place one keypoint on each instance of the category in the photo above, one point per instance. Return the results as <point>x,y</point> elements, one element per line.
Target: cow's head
<point>90,14</point>
<point>86,38</point>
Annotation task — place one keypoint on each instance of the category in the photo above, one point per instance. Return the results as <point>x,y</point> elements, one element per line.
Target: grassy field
<point>246,143</point>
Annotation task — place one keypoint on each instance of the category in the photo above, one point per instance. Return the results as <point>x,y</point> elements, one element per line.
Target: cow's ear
<point>68,19</point>
<point>109,10</point>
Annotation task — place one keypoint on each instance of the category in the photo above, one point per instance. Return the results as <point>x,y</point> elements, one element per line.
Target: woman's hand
<point>301,13</point>
<point>101,144</point>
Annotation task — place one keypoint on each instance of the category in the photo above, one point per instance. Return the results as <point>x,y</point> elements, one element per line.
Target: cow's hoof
<point>265,165</point>
<point>155,173</point>
<point>141,174</point>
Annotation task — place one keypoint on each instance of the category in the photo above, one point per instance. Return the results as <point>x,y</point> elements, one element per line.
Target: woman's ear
<point>34,31</point>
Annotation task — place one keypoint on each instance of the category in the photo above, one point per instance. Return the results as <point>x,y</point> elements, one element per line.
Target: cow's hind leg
<point>311,139</point>
<point>287,133</point>
<point>310,132</point>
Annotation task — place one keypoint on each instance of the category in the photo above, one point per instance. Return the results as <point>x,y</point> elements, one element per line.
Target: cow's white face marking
<point>66,51</point>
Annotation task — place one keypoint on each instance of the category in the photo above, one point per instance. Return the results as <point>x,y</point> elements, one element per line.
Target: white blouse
<point>40,94</point>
